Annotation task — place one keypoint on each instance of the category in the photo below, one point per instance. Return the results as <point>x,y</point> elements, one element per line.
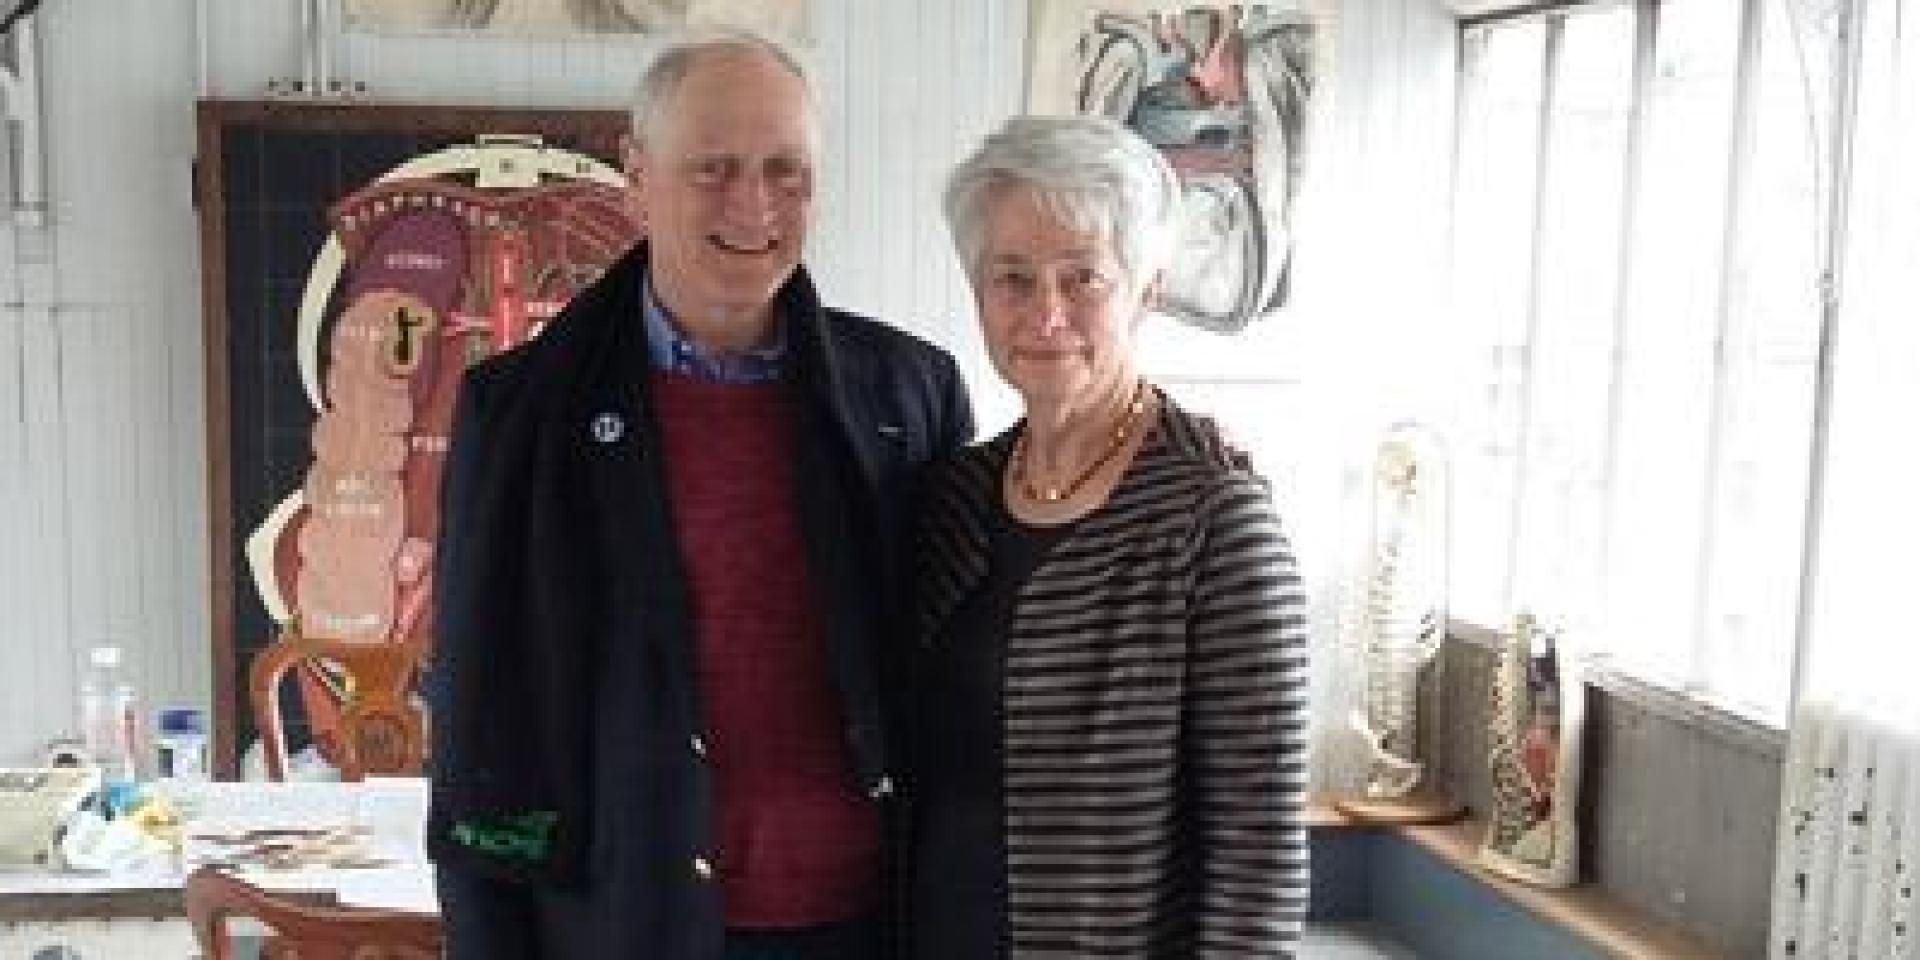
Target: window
<point>1639,241</point>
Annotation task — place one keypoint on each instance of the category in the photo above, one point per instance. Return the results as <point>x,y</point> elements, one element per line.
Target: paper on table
<point>255,806</point>
<point>395,809</point>
<point>392,809</point>
<point>393,888</point>
<point>380,819</point>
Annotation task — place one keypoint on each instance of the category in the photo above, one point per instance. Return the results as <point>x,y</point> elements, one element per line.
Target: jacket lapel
<point>823,378</point>
<point>955,529</point>
<point>616,439</point>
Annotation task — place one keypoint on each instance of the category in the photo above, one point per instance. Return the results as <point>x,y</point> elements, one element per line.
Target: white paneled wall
<point>102,516</point>
<point>102,450</point>
<point>103,530</point>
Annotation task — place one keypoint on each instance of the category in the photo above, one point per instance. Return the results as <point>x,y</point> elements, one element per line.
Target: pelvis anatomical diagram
<point>448,259</point>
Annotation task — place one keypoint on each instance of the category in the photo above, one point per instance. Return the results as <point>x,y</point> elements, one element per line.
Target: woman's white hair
<point>1091,174</point>
<point>653,94</point>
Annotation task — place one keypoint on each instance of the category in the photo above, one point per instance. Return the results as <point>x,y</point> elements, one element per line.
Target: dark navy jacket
<point>571,803</point>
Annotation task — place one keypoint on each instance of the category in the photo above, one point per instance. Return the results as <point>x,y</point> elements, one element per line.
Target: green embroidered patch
<point>520,836</point>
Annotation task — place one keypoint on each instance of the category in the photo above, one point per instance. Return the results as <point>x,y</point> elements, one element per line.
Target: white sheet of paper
<point>397,888</point>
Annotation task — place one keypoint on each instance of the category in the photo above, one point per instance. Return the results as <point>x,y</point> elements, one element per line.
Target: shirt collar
<point>671,350</point>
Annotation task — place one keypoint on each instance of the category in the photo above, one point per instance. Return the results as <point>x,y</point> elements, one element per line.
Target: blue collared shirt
<point>672,350</point>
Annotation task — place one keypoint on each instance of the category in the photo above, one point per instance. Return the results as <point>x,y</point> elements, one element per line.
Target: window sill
<point>1584,912</point>
<point>1738,727</point>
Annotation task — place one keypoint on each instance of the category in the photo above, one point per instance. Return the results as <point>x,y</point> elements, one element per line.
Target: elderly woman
<point>1112,701</point>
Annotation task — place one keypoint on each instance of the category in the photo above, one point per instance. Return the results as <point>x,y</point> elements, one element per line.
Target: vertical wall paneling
<point>853,209</point>
<point>143,542</point>
<point>187,491</point>
<point>42,617</point>
<point>17,644</point>
<point>84,462</point>
<point>826,55</point>
<point>931,154</point>
<point>99,427</point>
<point>900,181</point>
<point>88,505</point>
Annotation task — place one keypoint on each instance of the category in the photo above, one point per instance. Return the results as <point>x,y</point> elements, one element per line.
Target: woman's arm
<point>1245,730</point>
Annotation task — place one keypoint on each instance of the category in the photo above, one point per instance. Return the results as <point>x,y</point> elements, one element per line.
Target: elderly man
<point>672,528</point>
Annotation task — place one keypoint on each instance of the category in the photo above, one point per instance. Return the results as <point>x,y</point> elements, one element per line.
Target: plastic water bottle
<point>108,723</point>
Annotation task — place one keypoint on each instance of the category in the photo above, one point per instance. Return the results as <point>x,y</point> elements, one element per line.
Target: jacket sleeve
<point>484,917</point>
<point>1246,717</point>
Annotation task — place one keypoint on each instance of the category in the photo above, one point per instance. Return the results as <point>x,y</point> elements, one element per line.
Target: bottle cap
<point>181,720</point>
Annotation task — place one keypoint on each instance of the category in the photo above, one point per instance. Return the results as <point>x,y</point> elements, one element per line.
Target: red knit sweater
<point>798,841</point>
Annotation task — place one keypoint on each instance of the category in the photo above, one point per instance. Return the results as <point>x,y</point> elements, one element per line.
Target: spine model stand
<point>1394,623</point>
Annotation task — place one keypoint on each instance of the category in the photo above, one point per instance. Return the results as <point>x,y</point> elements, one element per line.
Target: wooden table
<point>140,916</point>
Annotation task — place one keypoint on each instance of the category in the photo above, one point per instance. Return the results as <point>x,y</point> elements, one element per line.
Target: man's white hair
<point>653,94</point>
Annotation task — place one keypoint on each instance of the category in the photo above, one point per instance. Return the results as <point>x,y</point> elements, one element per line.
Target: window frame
<point>1689,689</point>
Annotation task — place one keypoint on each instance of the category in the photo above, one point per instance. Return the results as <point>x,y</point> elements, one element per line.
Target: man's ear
<point>631,160</point>
<point>633,170</point>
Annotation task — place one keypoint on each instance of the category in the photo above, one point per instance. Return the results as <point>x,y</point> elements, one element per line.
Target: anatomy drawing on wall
<point>426,271</point>
<point>1223,90</point>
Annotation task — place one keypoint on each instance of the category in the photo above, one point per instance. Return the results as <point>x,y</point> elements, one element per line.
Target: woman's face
<point>1057,311</point>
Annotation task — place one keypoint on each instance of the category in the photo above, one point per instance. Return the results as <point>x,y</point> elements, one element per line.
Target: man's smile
<point>745,249</point>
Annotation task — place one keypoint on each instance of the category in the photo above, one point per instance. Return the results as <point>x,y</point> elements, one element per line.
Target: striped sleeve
<point>1246,716</point>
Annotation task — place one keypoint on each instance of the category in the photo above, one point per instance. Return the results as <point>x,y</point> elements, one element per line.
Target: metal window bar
<point>1646,32</point>
<point>1523,11</point>
<point>1695,677</point>
<point>1550,46</point>
<point>1839,199</point>
<point>1471,44</point>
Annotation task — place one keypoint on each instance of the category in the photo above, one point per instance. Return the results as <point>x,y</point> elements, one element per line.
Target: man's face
<point>726,185</point>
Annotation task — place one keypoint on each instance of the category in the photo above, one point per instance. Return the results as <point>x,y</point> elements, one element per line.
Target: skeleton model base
<point>1417,808</point>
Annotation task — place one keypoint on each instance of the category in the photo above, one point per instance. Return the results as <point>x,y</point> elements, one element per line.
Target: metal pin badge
<point>608,427</point>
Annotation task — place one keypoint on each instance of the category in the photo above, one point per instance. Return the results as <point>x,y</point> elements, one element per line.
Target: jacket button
<point>699,745</point>
<point>881,789</point>
<point>703,868</point>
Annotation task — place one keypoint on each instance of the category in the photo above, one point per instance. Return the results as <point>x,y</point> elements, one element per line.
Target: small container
<point>180,744</point>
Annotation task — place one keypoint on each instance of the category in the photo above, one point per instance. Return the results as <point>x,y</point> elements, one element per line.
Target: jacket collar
<point>606,320</point>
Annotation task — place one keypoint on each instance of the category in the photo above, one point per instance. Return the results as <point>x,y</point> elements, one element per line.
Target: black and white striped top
<point>1155,715</point>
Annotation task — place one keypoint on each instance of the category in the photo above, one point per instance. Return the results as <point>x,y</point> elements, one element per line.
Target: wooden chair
<point>300,931</point>
<point>381,727</point>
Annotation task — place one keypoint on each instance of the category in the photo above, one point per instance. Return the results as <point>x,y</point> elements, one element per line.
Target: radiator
<point>1847,874</point>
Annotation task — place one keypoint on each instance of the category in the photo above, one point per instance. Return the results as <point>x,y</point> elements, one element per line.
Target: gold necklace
<point>1121,431</point>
